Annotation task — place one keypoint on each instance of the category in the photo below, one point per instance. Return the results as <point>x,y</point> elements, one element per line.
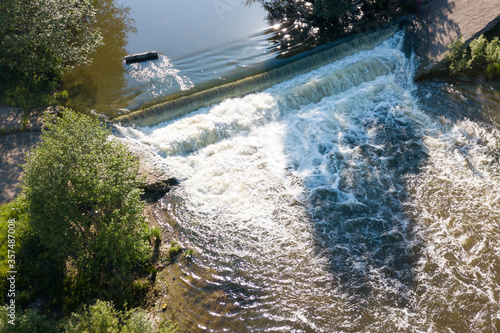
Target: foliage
<point>44,38</point>
<point>480,54</point>
<point>99,317</point>
<point>27,322</point>
<point>40,40</point>
<point>8,212</point>
<point>155,235</point>
<point>103,317</point>
<point>174,250</point>
<point>42,275</point>
<point>84,205</point>
<point>189,253</point>
<point>457,55</point>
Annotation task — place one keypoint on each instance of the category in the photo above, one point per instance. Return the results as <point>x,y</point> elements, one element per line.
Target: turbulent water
<point>333,202</point>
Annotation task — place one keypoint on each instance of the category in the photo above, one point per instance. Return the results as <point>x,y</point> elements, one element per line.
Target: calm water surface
<point>199,42</point>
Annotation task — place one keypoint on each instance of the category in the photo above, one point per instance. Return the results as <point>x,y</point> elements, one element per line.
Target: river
<point>349,198</point>
<point>346,199</point>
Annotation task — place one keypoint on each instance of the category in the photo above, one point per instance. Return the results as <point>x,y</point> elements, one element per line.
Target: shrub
<point>103,317</point>
<point>174,250</point>
<point>155,235</point>
<point>83,202</point>
<point>27,322</point>
<point>480,55</point>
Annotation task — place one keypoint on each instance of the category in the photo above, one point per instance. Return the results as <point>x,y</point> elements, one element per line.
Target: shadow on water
<point>472,97</point>
<point>104,80</point>
<point>297,26</point>
<point>362,226</point>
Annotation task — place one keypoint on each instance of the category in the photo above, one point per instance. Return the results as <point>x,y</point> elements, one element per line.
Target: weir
<point>322,204</point>
<point>183,105</point>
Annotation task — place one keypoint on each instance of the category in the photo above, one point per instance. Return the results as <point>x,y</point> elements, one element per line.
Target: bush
<point>155,235</point>
<point>480,55</point>
<point>174,250</point>
<point>27,322</point>
<point>99,317</point>
<point>83,203</point>
<point>103,317</point>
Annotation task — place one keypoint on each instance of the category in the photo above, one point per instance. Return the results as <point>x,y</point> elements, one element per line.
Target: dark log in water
<point>153,55</point>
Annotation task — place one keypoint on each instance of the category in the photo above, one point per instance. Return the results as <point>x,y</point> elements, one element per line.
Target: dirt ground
<point>19,134</point>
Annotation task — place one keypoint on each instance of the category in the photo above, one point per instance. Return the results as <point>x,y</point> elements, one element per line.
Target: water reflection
<point>298,26</point>
<point>102,83</point>
<point>203,45</point>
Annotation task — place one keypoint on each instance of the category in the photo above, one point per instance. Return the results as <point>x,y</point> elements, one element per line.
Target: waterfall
<point>331,201</point>
<point>184,104</point>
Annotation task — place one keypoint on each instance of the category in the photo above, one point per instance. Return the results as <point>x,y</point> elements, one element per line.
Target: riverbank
<point>440,22</point>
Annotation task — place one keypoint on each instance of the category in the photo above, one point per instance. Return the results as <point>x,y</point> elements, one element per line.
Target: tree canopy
<point>40,40</point>
<point>83,201</point>
<point>43,38</point>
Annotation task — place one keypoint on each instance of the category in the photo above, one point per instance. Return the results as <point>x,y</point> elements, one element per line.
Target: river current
<point>334,202</point>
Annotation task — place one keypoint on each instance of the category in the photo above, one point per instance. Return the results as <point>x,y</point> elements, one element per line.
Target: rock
<point>160,185</point>
<point>156,189</point>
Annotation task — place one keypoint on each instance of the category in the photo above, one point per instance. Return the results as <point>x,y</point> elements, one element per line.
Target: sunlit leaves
<point>480,54</point>
<point>83,200</point>
<point>41,39</point>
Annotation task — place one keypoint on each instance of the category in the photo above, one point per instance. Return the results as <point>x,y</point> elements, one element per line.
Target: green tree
<point>40,40</point>
<point>479,55</point>
<point>83,202</point>
<point>103,317</point>
<point>42,275</point>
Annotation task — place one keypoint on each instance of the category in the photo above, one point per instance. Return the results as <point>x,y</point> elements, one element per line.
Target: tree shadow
<point>361,226</point>
<point>434,29</point>
<point>13,148</point>
<point>357,191</point>
<point>297,26</point>
<point>363,215</point>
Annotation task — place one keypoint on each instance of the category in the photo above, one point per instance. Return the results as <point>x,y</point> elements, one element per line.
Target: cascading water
<point>332,202</point>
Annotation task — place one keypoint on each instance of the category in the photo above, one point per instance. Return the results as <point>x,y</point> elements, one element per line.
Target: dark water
<point>346,199</point>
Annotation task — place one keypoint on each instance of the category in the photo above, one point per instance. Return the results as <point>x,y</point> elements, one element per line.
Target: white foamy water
<point>159,76</point>
<point>333,202</point>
